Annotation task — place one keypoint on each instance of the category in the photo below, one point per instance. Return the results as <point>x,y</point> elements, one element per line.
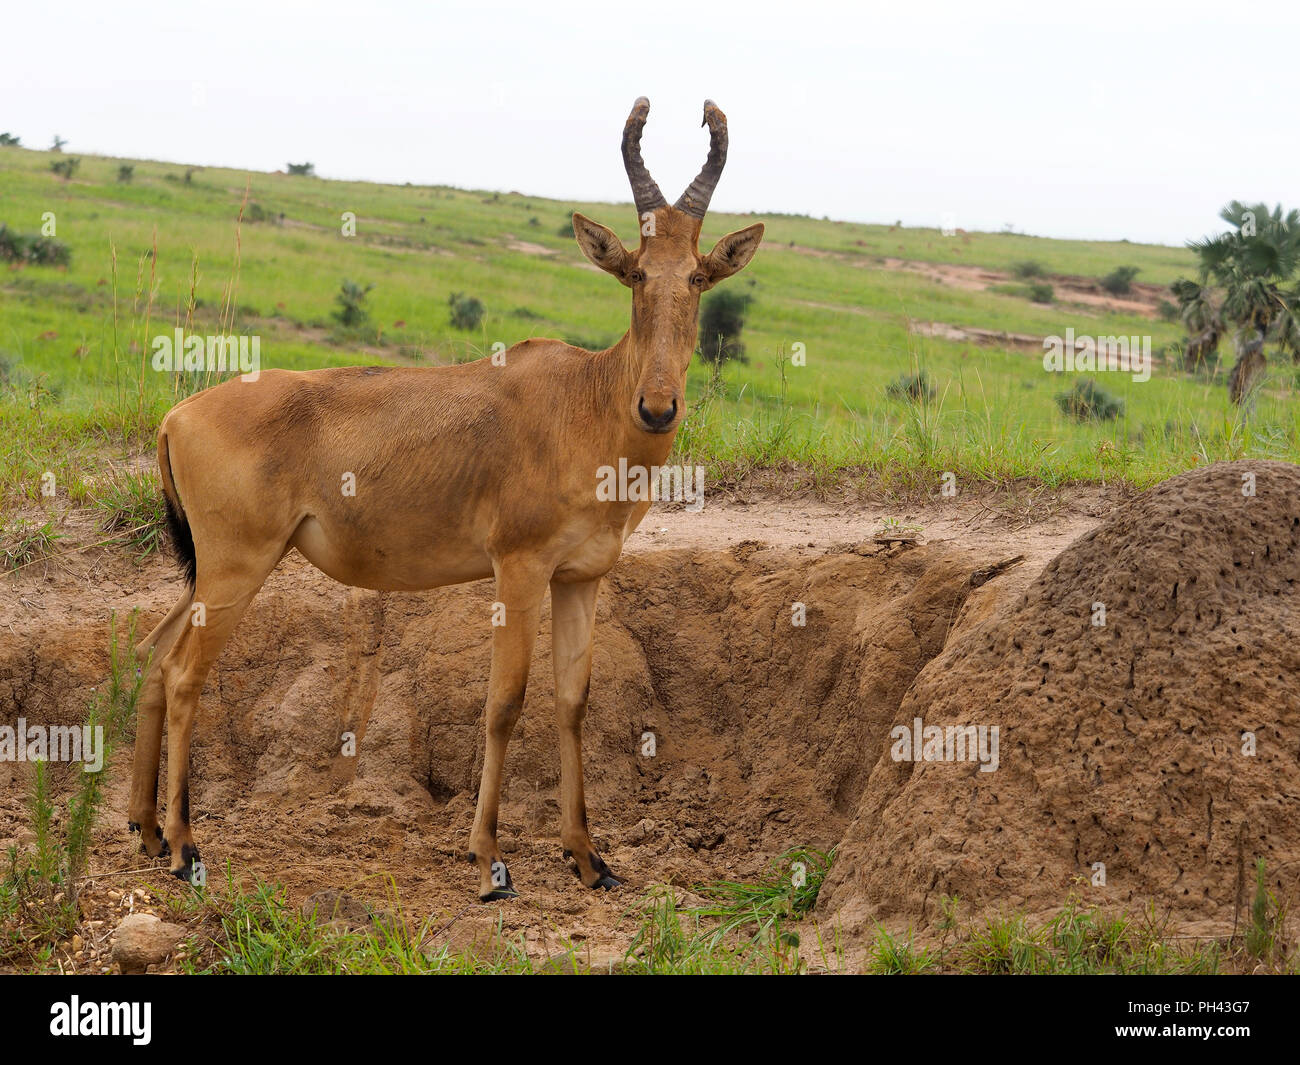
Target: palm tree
<point>1254,265</point>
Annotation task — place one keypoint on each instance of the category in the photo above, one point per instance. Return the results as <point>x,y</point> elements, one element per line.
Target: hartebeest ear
<point>732,253</point>
<point>601,245</point>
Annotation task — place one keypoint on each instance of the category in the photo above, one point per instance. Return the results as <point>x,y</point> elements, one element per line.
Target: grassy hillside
<point>165,249</point>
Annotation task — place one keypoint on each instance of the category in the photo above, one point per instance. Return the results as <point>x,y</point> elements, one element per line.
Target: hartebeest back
<point>414,478</point>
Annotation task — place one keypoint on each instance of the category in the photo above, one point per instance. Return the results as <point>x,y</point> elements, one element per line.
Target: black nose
<point>656,422</point>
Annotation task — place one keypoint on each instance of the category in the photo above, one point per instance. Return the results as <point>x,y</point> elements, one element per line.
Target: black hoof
<point>164,852</point>
<point>606,882</point>
<point>189,859</point>
<point>133,826</point>
<point>499,895</point>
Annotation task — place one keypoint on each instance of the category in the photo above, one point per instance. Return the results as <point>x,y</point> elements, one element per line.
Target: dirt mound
<point>764,730</point>
<point>1128,685</point>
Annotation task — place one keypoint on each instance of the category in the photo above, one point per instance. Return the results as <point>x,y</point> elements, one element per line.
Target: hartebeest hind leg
<point>143,810</point>
<point>573,621</point>
<point>223,592</point>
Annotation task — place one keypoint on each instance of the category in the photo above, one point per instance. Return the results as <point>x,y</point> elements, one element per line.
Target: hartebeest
<point>456,473</point>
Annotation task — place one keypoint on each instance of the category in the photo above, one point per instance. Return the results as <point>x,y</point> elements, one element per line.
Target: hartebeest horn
<point>645,193</point>
<point>695,200</point>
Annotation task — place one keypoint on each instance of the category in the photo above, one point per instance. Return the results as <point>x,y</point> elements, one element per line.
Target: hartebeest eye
<point>636,275</point>
<point>699,280</point>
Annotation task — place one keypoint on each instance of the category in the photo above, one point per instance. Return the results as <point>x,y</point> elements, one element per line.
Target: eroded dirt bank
<point>768,735</point>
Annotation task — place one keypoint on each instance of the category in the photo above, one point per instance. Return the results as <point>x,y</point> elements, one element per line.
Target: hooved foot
<point>495,884</point>
<point>191,865</point>
<point>594,873</point>
<point>151,843</point>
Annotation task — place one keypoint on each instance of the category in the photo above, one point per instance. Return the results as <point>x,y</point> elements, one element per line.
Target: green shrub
<point>1028,268</point>
<point>350,298</point>
<point>466,311</point>
<point>125,174</point>
<point>1119,282</point>
<point>914,387</point>
<point>1041,292</point>
<point>65,168</point>
<point>258,213</point>
<point>301,169</point>
<point>1088,401</point>
<point>41,251</point>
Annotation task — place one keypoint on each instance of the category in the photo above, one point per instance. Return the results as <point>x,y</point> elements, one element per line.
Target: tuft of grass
<point>787,892</point>
<point>132,509</point>
<point>1264,937</point>
<point>890,956</point>
<point>23,542</point>
<point>1080,940</point>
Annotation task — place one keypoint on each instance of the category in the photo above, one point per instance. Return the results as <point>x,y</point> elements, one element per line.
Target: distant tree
<point>1254,266</point>
<point>8,140</point>
<point>722,319</point>
<point>302,169</point>
<point>125,174</point>
<point>58,144</point>
<point>350,298</point>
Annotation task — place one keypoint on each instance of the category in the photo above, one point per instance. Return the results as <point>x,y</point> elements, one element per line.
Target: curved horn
<point>695,200</point>
<point>645,193</point>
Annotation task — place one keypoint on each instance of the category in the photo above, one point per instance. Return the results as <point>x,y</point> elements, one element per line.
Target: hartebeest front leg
<point>520,588</point>
<point>573,621</point>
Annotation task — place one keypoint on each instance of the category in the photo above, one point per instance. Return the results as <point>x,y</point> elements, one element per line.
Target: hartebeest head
<point>666,273</point>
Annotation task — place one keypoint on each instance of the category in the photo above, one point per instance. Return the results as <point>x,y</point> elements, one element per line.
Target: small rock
<point>338,909</point>
<point>142,940</point>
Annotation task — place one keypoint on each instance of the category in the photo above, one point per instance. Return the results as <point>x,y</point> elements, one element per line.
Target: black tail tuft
<point>182,540</point>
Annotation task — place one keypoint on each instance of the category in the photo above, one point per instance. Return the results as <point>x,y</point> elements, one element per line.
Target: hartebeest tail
<point>412,478</point>
<point>178,526</point>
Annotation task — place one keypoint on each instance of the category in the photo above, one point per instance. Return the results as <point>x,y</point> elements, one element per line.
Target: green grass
<point>1078,940</point>
<point>156,253</point>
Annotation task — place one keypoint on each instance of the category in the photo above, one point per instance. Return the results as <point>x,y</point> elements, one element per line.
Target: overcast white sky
<point>1094,119</point>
